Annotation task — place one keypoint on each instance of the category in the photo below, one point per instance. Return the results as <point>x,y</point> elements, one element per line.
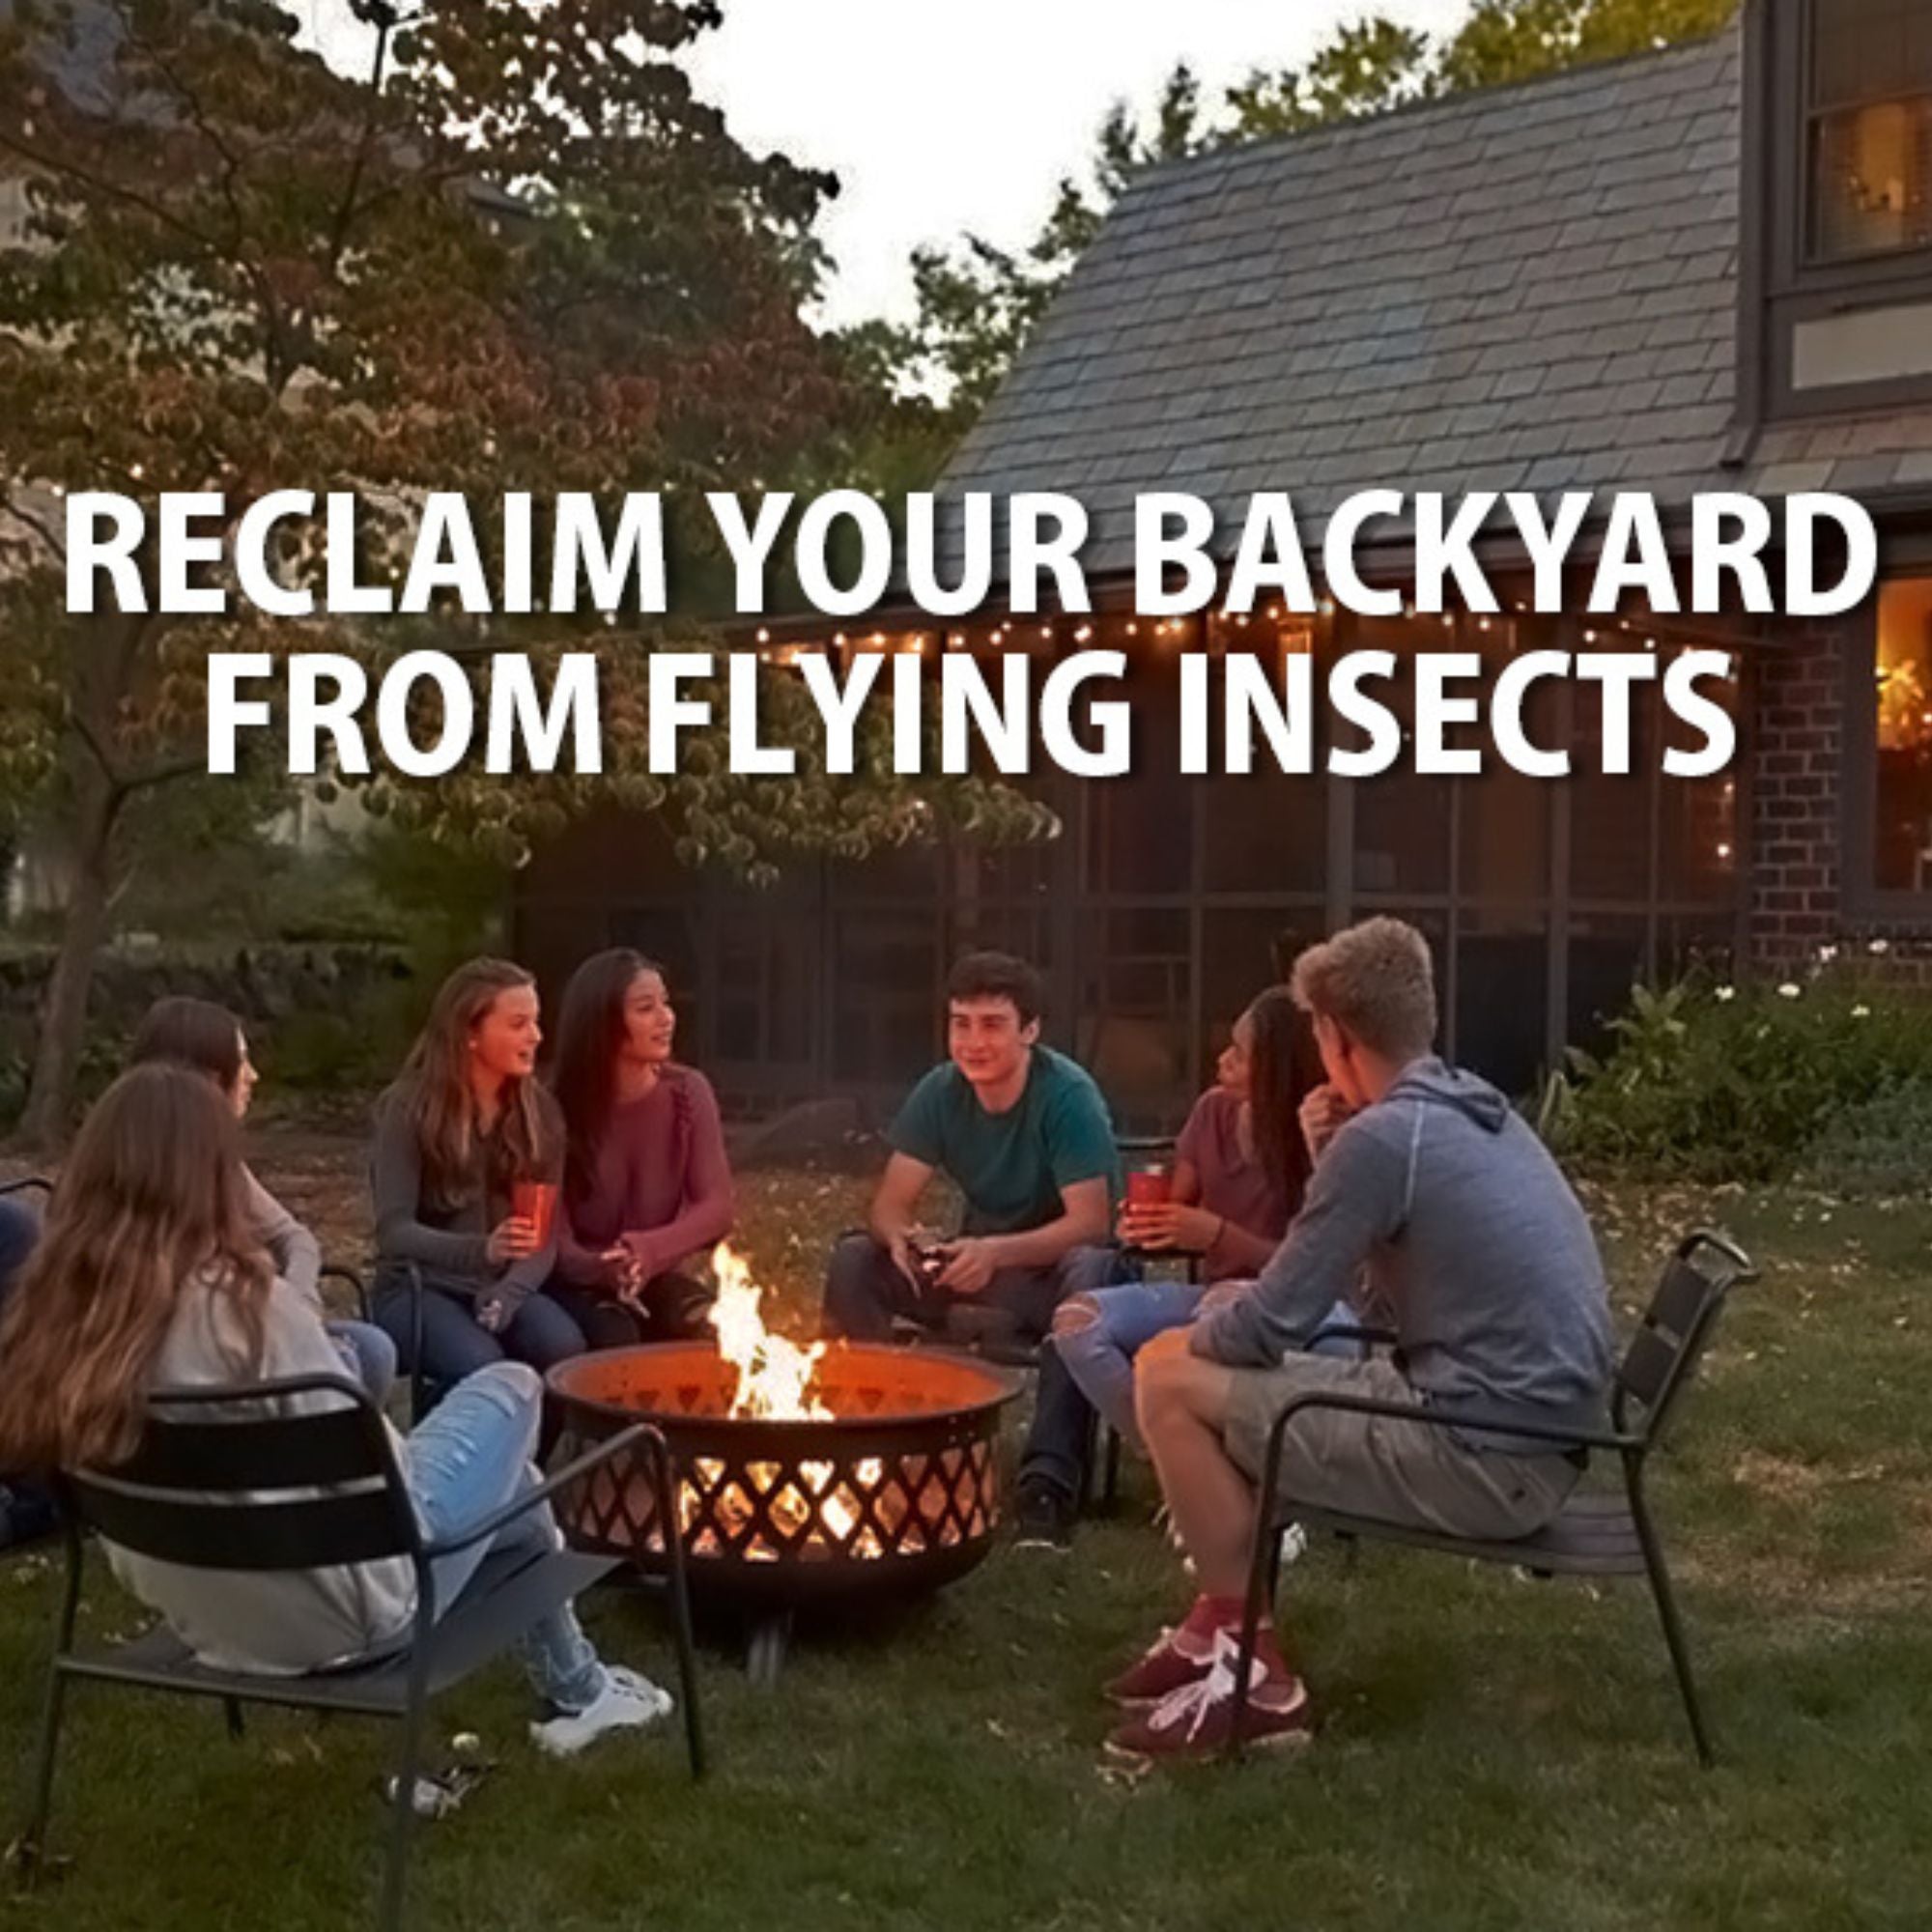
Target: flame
<point>776,1379</point>
<point>775,1376</point>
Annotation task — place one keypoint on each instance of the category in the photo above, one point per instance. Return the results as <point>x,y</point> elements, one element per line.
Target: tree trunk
<point>64,1005</point>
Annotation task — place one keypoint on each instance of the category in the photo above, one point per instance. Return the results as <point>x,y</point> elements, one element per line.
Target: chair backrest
<point>219,1484</point>
<point>1675,1329</point>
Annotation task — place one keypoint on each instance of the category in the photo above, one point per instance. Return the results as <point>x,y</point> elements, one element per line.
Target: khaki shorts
<point>1380,1466</point>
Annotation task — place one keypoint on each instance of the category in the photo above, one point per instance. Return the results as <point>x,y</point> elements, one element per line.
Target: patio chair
<point>323,1488</point>
<point>38,1184</point>
<point>1598,1532</point>
<point>424,1391</point>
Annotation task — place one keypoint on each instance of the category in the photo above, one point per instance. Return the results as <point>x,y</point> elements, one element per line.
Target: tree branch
<point>40,528</point>
<point>98,752</point>
<point>100,185</point>
<point>338,238</point>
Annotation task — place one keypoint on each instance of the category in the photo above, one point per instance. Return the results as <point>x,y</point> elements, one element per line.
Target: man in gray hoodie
<point>1436,1209</point>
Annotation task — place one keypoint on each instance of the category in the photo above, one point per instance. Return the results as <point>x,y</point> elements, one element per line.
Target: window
<point>1869,128</point>
<point>1902,796</point>
<point>1836,282</point>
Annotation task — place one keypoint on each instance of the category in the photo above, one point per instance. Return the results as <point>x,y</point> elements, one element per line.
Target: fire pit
<point>804,1474</point>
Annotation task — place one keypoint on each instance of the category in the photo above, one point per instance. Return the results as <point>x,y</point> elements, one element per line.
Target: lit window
<point>1870,140</point>
<point>1902,845</point>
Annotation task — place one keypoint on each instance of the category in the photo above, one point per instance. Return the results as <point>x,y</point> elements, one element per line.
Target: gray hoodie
<point>1466,1239</point>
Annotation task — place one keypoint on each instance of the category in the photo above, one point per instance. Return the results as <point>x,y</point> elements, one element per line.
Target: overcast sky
<point>943,115</point>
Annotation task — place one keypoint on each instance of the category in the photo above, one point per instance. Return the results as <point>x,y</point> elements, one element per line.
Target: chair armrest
<point>335,1271</point>
<point>37,1181</point>
<point>571,1472</point>
<point>1436,1418</point>
<point>1710,1237</point>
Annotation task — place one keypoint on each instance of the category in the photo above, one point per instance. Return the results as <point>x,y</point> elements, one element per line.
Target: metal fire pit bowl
<point>896,1495</point>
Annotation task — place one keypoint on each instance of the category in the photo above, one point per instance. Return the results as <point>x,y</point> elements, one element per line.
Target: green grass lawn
<point>1497,1754</point>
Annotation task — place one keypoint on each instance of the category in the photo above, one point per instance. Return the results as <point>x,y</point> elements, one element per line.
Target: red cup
<point>1150,1187</point>
<point>536,1202</point>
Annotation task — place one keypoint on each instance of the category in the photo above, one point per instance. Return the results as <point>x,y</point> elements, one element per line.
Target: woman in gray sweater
<point>465,1132</point>
<point>151,1275</point>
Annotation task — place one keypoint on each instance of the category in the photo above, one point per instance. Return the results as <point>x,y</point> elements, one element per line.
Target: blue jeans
<point>368,1354</point>
<point>469,1457</point>
<point>1097,1336</point>
<point>863,1291</point>
<point>456,1345</point>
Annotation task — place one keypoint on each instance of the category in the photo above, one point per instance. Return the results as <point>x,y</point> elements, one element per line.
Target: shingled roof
<point>1530,288</point>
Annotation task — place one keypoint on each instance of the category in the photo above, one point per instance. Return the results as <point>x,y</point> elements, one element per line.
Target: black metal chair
<point>1597,1533</point>
<point>425,1392</point>
<point>38,1182</point>
<point>322,1488</point>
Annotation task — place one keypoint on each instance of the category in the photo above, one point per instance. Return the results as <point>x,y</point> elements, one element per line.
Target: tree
<point>978,303</point>
<point>517,253</point>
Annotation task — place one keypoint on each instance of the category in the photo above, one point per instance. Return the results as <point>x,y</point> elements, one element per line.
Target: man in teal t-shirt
<point>1024,1134</point>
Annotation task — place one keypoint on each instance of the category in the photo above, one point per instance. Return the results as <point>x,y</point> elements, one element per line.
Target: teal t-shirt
<point>1013,1166</point>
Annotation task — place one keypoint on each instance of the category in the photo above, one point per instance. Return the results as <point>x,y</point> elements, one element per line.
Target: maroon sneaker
<point>1175,1659</point>
<point>1197,1721</point>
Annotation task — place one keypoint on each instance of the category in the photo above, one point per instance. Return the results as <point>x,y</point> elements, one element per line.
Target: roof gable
<point>1527,288</point>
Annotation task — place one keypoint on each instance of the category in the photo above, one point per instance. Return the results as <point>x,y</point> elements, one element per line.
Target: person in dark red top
<point>646,1186</point>
<point>1240,1166</point>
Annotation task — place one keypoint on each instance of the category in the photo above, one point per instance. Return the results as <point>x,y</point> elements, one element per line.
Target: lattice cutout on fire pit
<point>798,1508</point>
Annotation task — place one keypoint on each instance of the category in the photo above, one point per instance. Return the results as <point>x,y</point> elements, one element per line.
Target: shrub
<point>1877,1147</point>
<point>1708,1081</point>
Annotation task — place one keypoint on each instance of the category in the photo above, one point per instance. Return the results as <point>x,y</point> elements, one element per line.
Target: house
<point>1704,269</point>
<point>1710,268</point>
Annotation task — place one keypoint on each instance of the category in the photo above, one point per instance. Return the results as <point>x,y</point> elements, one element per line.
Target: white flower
<point>1861,1012</point>
<point>1880,946</point>
<point>1726,994</point>
<point>1826,954</point>
<point>1790,990</point>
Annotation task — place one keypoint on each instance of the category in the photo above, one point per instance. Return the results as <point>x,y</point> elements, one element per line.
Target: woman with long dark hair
<point>466,1136</point>
<point>209,1039</point>
<point>150,1276</point>
<point>1240,1168</point>
<point>646,1187</point>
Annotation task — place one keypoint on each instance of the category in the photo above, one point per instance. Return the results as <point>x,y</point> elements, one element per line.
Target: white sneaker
<point>628,1701</point>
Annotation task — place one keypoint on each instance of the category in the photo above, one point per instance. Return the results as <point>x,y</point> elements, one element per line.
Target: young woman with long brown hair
<point>464,1129</point>
<point>646,1184</point>
<point>150,1276</point>
<point>1240,1169</point>
<point>209,1040</point>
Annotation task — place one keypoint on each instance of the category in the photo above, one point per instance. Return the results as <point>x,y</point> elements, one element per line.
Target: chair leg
<point>1666,1613</point>
<point>402,1814</point>
<point>238,1724</point>
<point>33,1849</point>
<point>1110,1489</point>
<point>1264,1563</point>
<point>665,1480</point>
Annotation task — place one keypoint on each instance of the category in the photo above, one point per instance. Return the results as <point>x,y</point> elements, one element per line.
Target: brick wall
<point>1793,893</point>
<point>1795,908</point>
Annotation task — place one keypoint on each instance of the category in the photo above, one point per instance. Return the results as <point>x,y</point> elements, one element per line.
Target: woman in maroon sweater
<point>646,1187</point>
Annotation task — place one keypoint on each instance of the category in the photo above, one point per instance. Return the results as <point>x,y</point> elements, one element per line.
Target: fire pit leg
<point>765,1655</point>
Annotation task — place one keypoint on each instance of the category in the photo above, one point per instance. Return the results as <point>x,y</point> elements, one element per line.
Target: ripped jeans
<point>1097,1336</point>
<point>470,1457</point>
